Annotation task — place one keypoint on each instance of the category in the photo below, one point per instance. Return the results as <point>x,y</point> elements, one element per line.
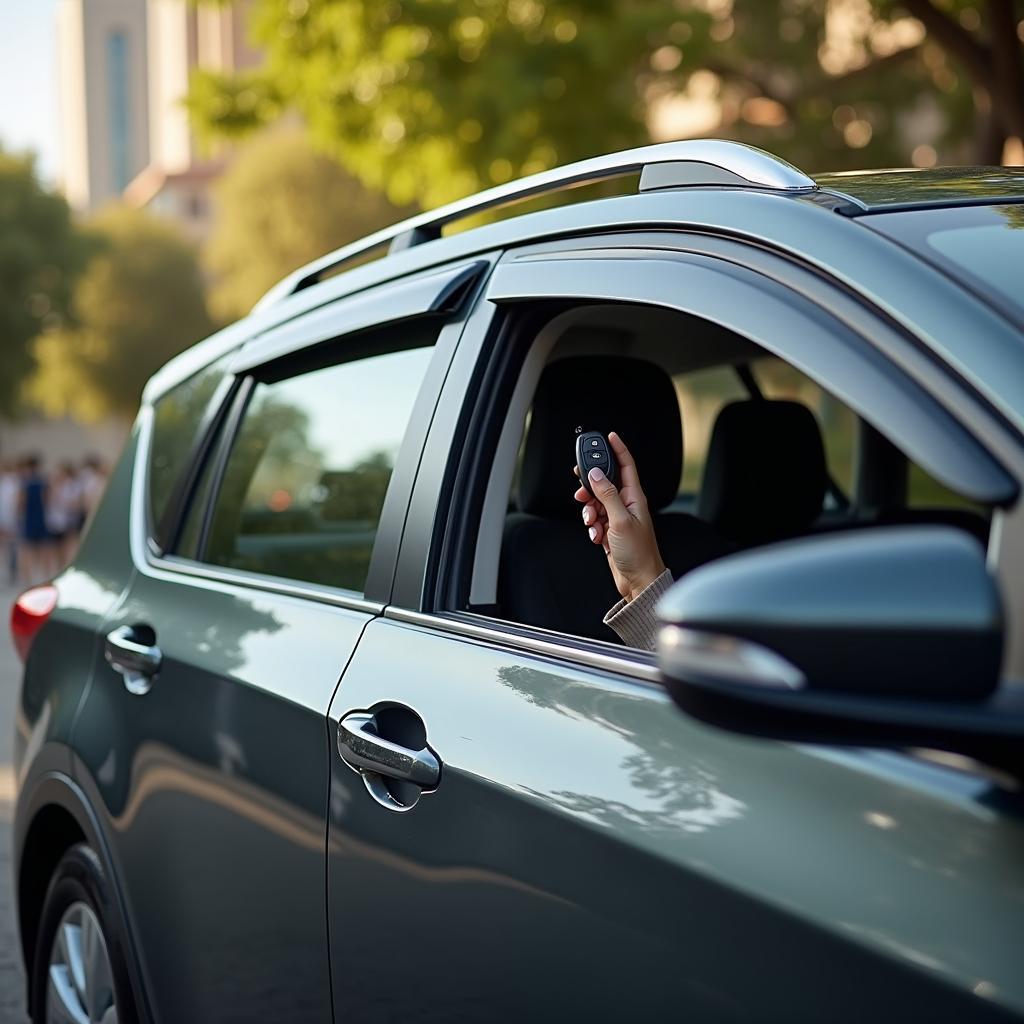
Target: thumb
<point>606,492</point>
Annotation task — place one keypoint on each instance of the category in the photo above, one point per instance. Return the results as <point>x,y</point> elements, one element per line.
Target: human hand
<point>619,521</point>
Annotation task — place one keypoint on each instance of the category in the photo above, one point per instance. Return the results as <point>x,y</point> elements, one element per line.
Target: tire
<point>80,896</point>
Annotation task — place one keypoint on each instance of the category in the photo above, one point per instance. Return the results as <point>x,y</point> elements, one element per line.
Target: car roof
<point>913,188</point>
<point>697,184</point>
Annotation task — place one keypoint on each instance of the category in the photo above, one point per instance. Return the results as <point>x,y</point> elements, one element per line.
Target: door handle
<point>362,749</point>
<point>138,663</point>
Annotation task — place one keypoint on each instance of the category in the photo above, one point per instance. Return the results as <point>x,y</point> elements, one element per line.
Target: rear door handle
<point>136,661</point>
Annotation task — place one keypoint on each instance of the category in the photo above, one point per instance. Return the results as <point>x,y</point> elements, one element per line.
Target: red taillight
<point>30,611</point>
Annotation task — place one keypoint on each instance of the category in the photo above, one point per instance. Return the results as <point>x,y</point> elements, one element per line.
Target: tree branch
<point>816,86</point>
<point>955,40</point>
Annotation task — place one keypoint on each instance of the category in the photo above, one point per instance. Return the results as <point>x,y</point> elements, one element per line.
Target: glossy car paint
<point>847,859</point>
<point>588,849</point>
<point>592,854</point>
<point>217,832</point>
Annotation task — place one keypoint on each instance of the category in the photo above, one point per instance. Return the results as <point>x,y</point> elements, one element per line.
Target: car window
<point>768,482</point>
<point>176,420</point>
<point>703,394</point>
<point>838,424</point>
<point>983,246</point>
<point>308,470</point>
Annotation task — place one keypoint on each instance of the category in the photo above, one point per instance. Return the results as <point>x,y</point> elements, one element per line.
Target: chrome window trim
<point>155,566</point>
<point>642,671</point>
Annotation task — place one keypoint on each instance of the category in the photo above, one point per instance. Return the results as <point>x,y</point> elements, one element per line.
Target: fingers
<point>595,522</point>
<point>627,467</point>
<point>606,492</point>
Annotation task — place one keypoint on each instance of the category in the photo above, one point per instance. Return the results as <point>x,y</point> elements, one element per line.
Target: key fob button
<point>594,452</point>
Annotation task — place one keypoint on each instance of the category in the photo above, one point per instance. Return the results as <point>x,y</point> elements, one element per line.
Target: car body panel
<point>229,815</point>
<point>591,853</point>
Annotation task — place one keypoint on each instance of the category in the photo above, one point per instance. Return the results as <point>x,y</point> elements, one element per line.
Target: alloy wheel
<point>80,988</point>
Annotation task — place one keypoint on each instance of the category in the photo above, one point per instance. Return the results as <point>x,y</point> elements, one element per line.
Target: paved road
<point>12,984</point>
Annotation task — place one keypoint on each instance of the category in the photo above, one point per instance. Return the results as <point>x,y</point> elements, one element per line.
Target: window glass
<point>305,481</point>
<point>779,380</point>
<point>703,393</point>
<point>983,246</point>
<point>701,397</point>
<point>176,420</point>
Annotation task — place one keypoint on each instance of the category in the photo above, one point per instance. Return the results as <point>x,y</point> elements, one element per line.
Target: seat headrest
<point>765,475</point>
<point>633,397</point>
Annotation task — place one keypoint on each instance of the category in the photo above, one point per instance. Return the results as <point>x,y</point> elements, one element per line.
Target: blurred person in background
<point>10,489</point>
<point>64,512</point>
<point>92,480</point>
<point>35,561</point>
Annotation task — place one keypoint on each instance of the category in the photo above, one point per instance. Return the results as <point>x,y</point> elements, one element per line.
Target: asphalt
<point>12,981</point>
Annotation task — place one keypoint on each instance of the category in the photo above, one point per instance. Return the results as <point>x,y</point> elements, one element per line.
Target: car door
<point>576,848</point>
<point>203,742</point>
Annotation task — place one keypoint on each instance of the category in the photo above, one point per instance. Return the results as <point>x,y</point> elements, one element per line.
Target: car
<point>324,721</point>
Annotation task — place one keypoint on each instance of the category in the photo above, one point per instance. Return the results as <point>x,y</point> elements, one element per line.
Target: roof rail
<point>666,165</point>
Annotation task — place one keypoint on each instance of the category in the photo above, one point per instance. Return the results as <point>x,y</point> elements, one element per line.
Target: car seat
<point>551,575</point>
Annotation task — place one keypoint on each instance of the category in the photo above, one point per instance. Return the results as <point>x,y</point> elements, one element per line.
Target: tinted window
<point>176,421</point>
<point>305,481</point>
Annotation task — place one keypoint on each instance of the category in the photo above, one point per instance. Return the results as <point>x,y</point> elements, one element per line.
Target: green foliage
<point>39,257</point>
<point>433,99</point>
<point>279,206</point>
<point>138,303</point>
<point>429,99</point>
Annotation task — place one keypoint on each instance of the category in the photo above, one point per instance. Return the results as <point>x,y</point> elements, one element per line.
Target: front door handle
<point>362,749</point>
<point>129,654</point>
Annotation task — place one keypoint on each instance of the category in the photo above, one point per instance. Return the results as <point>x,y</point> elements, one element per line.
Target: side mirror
<point>881,637</point>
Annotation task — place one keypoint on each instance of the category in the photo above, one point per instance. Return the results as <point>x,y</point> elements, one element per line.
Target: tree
<point>138,302</point>
<point>278,206</point>
<point>432,99</point>
<point>40,253</point>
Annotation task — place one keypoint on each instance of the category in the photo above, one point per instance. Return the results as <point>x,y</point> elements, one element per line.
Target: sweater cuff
<point>635,621</point>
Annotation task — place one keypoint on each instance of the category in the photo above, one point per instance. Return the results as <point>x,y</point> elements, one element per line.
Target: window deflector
<point>784,324</point>
<point>439,293</point>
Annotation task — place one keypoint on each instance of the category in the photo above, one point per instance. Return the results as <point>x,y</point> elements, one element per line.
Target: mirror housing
<point>876,637</point>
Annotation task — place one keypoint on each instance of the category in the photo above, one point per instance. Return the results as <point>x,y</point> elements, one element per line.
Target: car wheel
<point>80,974</point>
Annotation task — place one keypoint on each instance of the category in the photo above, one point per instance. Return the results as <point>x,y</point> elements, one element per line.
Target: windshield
<point>980,246</point>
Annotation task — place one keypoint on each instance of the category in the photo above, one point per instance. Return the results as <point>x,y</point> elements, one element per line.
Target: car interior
<point>734,449</point>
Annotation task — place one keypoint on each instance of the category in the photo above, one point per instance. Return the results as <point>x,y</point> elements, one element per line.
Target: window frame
<point>427,575</point>
<point>443,296</point>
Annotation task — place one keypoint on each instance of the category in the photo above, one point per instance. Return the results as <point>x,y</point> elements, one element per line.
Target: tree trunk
<point>1008,69</point>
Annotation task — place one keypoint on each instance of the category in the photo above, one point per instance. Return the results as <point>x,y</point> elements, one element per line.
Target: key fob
<point>593,449</point>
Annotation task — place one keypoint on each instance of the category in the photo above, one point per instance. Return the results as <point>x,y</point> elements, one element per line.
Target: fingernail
<point>596,475</point>
<point>593,533</point>
<point>586,516</point>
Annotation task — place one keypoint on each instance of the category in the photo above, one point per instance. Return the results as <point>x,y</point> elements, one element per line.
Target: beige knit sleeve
<point>635,621</point>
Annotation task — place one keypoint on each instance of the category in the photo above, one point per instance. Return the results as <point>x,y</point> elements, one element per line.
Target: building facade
<point>182,38</point>
<point>103,69</point>
<point>124,73</point>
